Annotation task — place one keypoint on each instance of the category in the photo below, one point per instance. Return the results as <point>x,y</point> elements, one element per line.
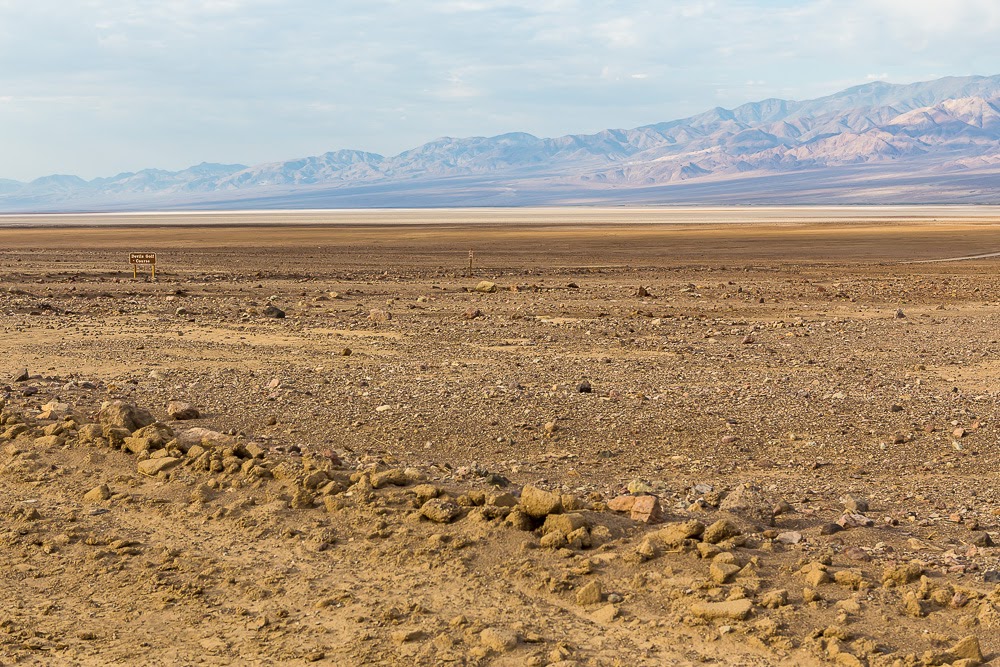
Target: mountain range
<point>879,143</point>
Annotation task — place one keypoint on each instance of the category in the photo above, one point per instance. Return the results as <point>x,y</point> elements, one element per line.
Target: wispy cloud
<point>105,85</point>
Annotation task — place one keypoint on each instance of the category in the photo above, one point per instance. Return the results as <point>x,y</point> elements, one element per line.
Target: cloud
<point>100,86</point>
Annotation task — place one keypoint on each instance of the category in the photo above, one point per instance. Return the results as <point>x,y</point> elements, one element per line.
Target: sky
<point>100,87</point>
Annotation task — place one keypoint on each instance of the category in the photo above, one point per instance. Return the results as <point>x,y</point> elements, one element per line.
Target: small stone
<point>152,467</point>
<point>584,387</point>
<point>720,573</point>
<point>605,614</point>
<point>676,533</point>
<point>119,414</point>
<point>564,523</point>
<point>721,530</point>
<point>850,578</point>
<point>498,640</point>
<point>852,520</point>
<point>538,503</point>
<point>854,504</point>
<point>734,610</point>
<point>646,509</point>
<point>440,511</point>
<point>902,574</point>
<point>968,649</point>
<point>858,554</point>
<point>20,375</point>
<point>404,636</point>
<point>900,315</point>
<point>472,313</point>
<point>554,540</point>
<point>830,528</point>
<point>273,311</point>
<point>981,538</point>
<point>395,477</point>
<point>789,537</point>
<point>97,494</point>
<point>748,501</point>
<point>180,410</point>
<point>621,503</point>
<point>774,599</point>
<point>486,287</point>
<point>379,315</point>
<point>589,594</point>
<point>519,520</point>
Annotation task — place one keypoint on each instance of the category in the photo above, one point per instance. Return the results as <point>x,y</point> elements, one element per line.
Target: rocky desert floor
<point>317,439</point>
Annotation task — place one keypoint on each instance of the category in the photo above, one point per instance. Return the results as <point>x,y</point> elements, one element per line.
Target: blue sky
<point>97,87</point>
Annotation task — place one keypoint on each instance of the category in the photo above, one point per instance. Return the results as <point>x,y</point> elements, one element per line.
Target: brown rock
<point>440,511</point>
<point>676,533</point>
<point>486,287</point>
<point>97,494</point>
<point>538,504</point>
<point>180,410</point>
<point>734,610</point>
<point>152,467</point>
<point>646,509</point>
<point>748,501</point>
<point>499,640</point>
<point>721,530</point>
<point>622,503</point>
<point>590,594</point>
<point>124,415</point>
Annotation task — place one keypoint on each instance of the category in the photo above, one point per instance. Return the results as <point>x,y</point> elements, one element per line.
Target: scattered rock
<point>97,494</point>
<point>854,504</point>
<point>486,287</point>
<point>499,640</point>
<point>538,504</point>
<point>730,610</point>
<point>646,509</point>
<point>124,415</point>
<point>270,310</point>
<point>721,530</point>
<point>590,594</point>
<point>152,467</point>
<point>748,501</point>
<point>440,511</point>
<point>180,411</point>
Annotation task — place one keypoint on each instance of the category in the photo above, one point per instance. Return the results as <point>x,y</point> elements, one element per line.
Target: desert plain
<point>625,437</point>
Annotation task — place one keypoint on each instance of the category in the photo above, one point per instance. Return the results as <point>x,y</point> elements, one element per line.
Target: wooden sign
<point>143,258</point>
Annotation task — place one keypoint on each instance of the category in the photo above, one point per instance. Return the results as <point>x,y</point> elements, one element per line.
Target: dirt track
<point>802,357</point>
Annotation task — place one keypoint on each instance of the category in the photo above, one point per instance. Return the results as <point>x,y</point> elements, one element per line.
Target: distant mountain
<point>935,141</point>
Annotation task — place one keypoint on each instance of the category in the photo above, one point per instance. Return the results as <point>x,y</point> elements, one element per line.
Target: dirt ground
<point>625,439</point>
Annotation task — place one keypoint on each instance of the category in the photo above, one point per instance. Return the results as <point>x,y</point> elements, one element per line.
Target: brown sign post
<point>143,258</point>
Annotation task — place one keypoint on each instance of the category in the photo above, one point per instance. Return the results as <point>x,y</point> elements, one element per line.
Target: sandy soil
<point>766,441</point>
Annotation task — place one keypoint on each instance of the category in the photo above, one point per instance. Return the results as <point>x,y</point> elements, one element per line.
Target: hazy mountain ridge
<point>944,127</point>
